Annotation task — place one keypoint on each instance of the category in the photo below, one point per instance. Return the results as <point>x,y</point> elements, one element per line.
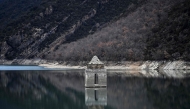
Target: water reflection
<point>66,90</point>
<point>96,96</point>
<point>41,90</point>
<point>151,73</point>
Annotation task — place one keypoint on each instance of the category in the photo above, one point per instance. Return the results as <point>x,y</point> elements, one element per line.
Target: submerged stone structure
<point>95,78</point>
<point>95,74</point>
<point>95,84</point>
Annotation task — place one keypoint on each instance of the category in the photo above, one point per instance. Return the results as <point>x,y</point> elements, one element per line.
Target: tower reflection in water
<point>95,88</point>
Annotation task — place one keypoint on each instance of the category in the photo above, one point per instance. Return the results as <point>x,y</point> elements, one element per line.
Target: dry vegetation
<point>114,30</point>
<point>124,39</point>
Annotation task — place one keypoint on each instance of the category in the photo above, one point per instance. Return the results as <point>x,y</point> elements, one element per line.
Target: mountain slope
<point>171,38</point>
<point>29,35</point>
<point>125,39</point>
<point>114,30</point>
<point>11,10</point>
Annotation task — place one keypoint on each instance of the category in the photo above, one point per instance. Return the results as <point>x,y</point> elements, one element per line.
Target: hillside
<point>11,10</point>
<point>111,29</point>
<point>171,38</point>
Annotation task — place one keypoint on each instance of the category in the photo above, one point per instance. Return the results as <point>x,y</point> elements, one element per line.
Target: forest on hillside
<point>170,40</point>
<point>143,34</point>
<point>114,30</point>
<point>32,32</point>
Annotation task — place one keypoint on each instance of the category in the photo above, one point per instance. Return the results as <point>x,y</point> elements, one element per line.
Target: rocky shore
<point>128,65</point>
<point>168,69</point>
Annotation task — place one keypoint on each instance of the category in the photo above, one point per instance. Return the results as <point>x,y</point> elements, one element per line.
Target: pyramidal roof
<point>95,60</point>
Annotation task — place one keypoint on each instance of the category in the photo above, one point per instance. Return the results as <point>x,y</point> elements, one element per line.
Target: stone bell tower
<point>95,84</point>
<point>95,74</point>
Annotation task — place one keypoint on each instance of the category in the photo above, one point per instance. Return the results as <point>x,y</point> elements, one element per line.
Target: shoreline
<point>158,69</point>
<point>111,71</point>
<point>124,65</point>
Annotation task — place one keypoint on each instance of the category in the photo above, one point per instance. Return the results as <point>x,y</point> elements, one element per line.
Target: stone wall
<point>95,66</point>
<point>90,78</point>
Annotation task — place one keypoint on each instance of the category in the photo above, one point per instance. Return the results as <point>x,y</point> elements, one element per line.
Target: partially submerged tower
<point>95,83</point>
<point>95,74</point>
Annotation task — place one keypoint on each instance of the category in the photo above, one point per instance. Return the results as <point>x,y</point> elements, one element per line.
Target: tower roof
<point>95,60</point>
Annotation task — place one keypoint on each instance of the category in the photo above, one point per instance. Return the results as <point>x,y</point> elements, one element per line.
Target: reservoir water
<point>19,68</point>
<point>65,89</point>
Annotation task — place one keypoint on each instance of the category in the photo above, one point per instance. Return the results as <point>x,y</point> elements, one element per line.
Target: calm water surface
<point>65,90</point>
